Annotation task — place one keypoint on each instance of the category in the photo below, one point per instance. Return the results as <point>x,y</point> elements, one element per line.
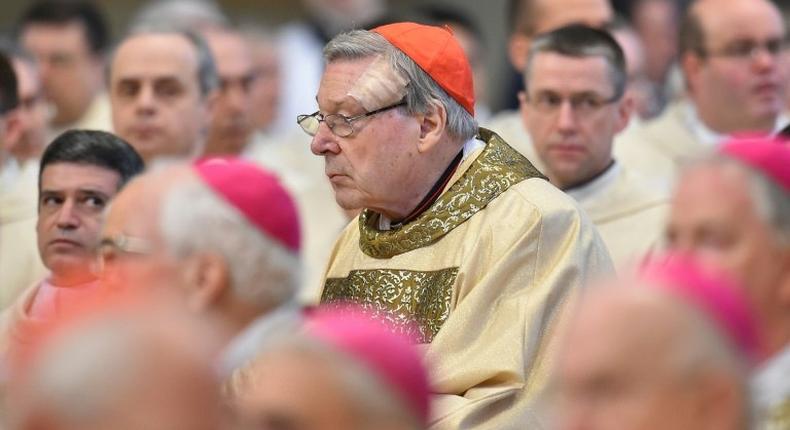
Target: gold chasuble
<point>485,273</point>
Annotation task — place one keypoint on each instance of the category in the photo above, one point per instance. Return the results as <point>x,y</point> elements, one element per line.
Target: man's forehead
<point>155,53</point>
<point>61,175</point>
<point>59,33</point>
<point>575,74</point>
<point>738,19</point>
<point>338,80</point>
<point>552,14</point>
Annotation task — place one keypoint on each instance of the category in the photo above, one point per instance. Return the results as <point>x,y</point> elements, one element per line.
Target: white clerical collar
<point>708,137</point>
<point>591,188</point>
<point>470,147</point>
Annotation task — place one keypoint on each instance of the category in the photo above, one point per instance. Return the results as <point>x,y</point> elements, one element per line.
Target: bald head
<point>150,367</point>
<point>638,358</point>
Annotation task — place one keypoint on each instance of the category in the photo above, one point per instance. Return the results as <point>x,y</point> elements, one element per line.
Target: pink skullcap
<point>438,54</point>
<point>769,155</point>
<point>256,193</point>
<point>710,291</point>
<point>390,356</point>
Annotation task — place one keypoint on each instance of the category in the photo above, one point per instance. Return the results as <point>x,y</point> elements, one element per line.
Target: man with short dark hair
<point>573,105</point>
<point>69,40</point>
<point>731,56</point>
<point>533,17</point>
<point>81,171</point>
<point>162,86</point>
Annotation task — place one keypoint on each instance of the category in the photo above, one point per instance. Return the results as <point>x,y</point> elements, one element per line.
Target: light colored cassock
<point>679,135</point>
<point>320,218</point>
<point>486,273</point>
<point>20,263</point>
<point>628,211</point>
<point>771,388</point>
<point>638,156</point>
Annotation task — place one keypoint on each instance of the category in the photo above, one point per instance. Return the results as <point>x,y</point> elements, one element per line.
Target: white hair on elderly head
<point>194,219</point>
<point>372,399</point>
<point>421,92</point>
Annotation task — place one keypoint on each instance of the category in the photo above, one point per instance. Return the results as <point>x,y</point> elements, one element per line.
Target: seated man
<point>458,232</point>
<point>223,234</point>
<point>669,349</point>
<point>573,105</point>
<point>731,57</point>
<point>81,171</point>
<point>162,87</point>
<point>732,208</point>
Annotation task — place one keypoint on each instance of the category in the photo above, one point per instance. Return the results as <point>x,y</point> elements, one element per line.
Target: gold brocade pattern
<point>413,302</point>
<point>496,169</point>
<point>779,417</point>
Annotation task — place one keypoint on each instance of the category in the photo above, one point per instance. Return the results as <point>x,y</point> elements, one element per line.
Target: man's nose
<point>67,217</point>
<point>324,141</point>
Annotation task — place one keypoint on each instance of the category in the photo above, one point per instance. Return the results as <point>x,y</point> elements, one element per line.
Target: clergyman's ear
<point>208,278</point>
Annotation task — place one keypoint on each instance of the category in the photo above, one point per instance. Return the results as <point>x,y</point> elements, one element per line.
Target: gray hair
<point>372,399</point>
<point>421,92</point>
<point>263,272</point>
<point>580,41</point>
<point>179,15</point>
<point>207,75</point>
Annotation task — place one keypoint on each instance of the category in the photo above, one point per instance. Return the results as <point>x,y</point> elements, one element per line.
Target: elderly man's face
<point>157,105</point>
<point>374,167</point>
<point>71,73</point>
<point>133,250</point>
<point>714,215</point>
<point>568,112</point>
<point>621,368</point>
<point>233,114</point>
<point>71,206</point>
<point>735,88</point>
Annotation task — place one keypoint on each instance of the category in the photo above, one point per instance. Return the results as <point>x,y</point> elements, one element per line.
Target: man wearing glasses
<point>731,57</point>
<point>461,242</point>
<point>80,172</point>
<point>573,106</point>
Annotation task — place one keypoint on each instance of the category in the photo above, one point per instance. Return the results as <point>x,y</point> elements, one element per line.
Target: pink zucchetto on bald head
<point>256,194</point>
<point>768,155</point>
<point>391,357</point>
<point>713,293</point>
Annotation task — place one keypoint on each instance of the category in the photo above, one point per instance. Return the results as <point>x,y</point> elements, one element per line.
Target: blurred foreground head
<point>732,209</point>
<point>346,372</point>
<point>669,348</point>
<point>118,364</point>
